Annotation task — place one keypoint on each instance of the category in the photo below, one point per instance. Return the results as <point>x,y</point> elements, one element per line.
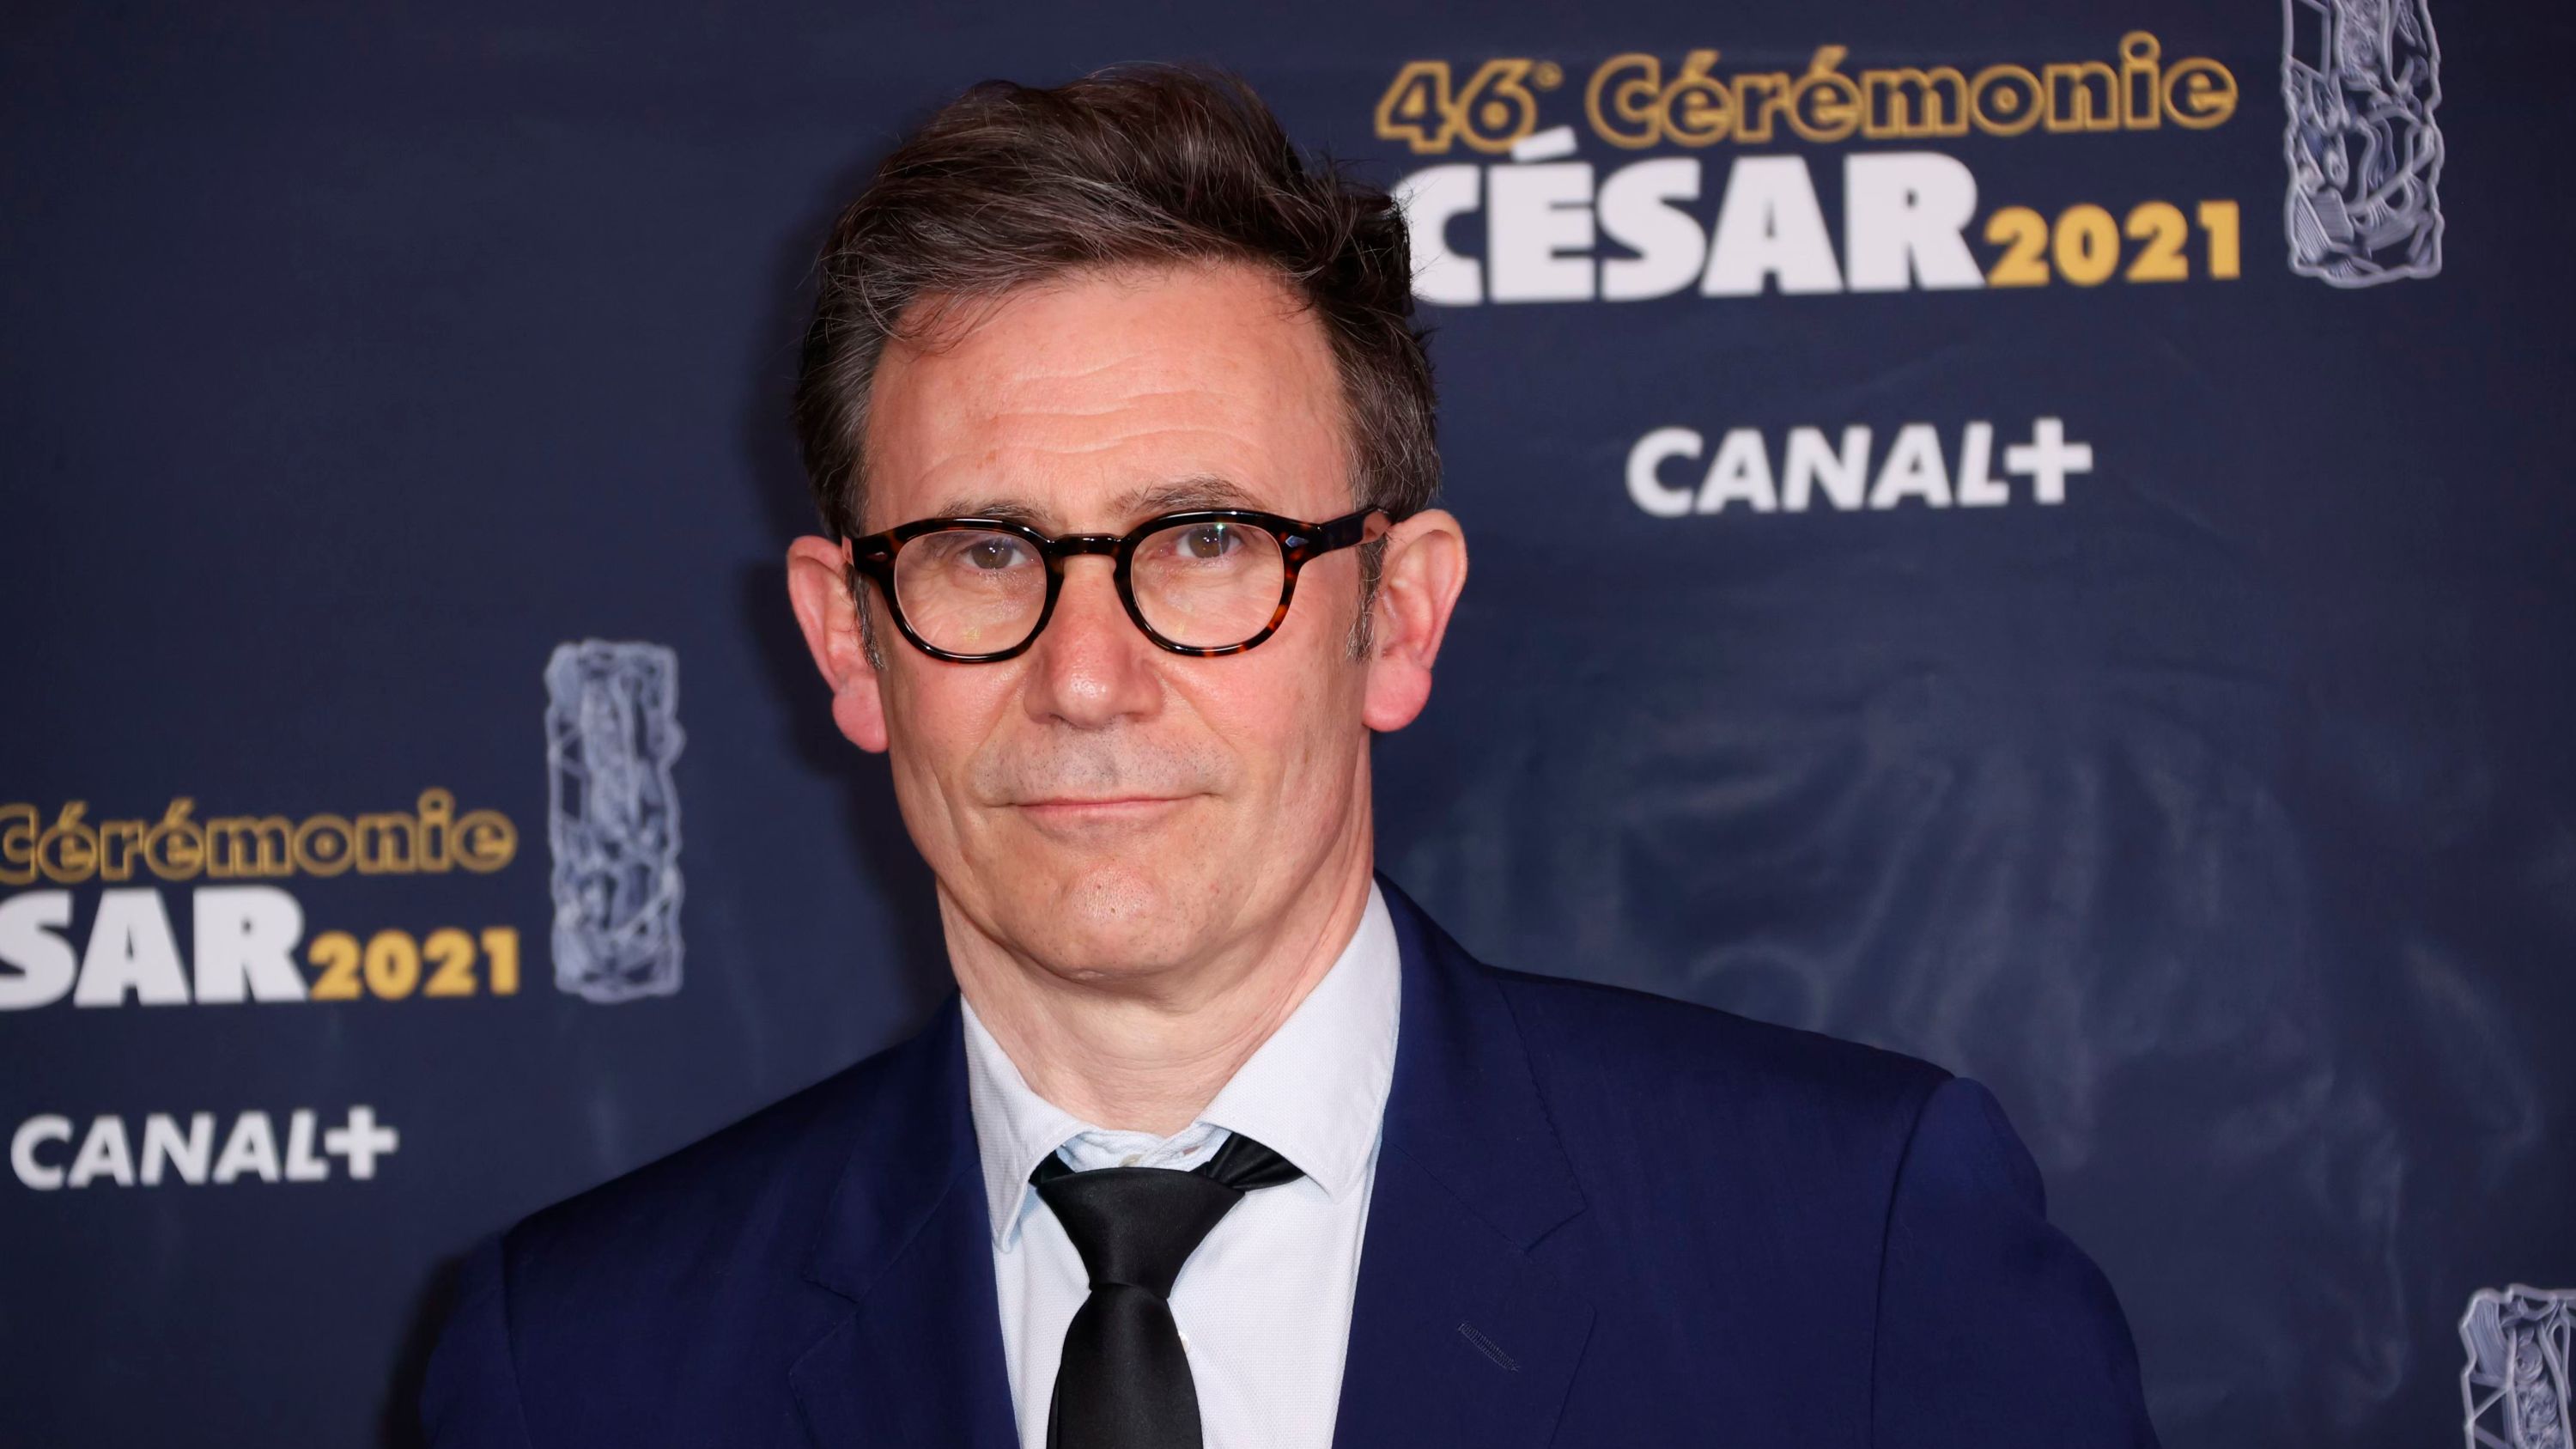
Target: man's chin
<point>1122,915</point>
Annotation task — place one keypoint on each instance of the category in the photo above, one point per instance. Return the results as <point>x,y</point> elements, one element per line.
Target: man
<point>1119,420</point>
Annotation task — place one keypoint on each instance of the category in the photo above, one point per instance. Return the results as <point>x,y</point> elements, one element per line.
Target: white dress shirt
<point>1264,1304</point>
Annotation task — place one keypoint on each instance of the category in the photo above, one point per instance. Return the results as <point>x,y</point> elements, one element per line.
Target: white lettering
<point>1645,486</point>
<point>132,949</point>
<point>1539,232</point>
<point>251,1148</point>
<point>1742,473</point>
<point>43,961</point>
<point>187,1155</point>
<point>1977,487</point>
<point>1905,222</point>
<point>362,1141</point>
<point>22,1151</point>
<point>1913,469</point>
<point>1840,465</point>
<point>246,938</point>
<point>2047,459</point>
<point>162,1145</point>
<point>1668,242</point>
<point>301,1164</point>
<point>104,1152</point>
<point>1769,225</point>
<point>1431,199</point>
<point>1907,212</point>
<point>1812,465</point>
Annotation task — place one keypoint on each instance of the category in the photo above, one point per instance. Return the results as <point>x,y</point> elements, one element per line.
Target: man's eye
<point>985,553</point>
<point>1210,540</point>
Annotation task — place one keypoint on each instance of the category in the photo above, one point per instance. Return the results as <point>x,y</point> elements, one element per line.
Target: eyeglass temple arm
<point>1342,532</point>
<point>868,553</point>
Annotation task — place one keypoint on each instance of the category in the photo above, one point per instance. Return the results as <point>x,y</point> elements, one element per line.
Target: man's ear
<point>818,590</point>
<point>1418,582</point>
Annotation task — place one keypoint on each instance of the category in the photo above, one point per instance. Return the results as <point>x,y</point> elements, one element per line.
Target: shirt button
<point>1130,1159</point>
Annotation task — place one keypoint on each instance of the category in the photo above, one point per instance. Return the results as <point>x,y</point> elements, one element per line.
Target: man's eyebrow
<point>1200,490</point>
<point>1006,509</point>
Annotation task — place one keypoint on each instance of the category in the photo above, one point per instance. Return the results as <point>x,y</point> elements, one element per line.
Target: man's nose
<point>1091,665</point>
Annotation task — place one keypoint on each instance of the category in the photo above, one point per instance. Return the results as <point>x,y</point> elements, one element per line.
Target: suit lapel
<point>1457,1335</point>
<point>907,1240</point>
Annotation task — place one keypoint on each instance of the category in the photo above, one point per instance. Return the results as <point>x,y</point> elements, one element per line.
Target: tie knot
<point>1136,1226</point>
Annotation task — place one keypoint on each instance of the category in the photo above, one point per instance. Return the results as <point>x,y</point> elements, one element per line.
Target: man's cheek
<point>1258,721</point>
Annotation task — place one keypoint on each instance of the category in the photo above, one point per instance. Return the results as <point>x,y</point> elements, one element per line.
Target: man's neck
<point>1151,1061</point>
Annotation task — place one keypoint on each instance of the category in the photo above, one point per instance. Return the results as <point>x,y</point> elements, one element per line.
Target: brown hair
<point>1152,164</point>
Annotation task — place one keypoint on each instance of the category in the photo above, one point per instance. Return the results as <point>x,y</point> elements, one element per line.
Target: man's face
<point>1102,807</point>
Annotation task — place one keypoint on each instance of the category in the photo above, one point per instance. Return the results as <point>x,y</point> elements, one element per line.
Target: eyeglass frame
<point>1300,543</point>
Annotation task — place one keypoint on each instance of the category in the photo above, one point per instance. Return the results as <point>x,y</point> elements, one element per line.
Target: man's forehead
<point>1119,395</point>
<point>1224,329</point>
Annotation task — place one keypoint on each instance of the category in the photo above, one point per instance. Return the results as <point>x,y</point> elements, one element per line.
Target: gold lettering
<point>68,850</point>
<point>72,848</point>
<point>2082,96</point>
<point>485,841</point>
<point>2004,100</point>
<point>388,843</point>
<point>18,834</point>
<point>119,843</point>
<point>1696,109</point>
<point>238,845</point>
<point>175,849</point>
<point>322,845</point>
<point>1416,108</point>
<point>1758,97</point>
<point>1634,82</point>
<point>437,813</point>
<point>1908,103</point>
<point>1496,108</point>
<point>1632,104</point>
<point>2199,94</point>
<point>1825,104</point>
<point>2141,103</point>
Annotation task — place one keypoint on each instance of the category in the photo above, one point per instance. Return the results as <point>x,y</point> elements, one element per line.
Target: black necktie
<point>1124,1382</point>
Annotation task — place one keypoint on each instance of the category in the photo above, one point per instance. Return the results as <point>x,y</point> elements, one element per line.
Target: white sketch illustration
<point>613,818</point>
<point>2360,79</point>
<point>2515,1387</point>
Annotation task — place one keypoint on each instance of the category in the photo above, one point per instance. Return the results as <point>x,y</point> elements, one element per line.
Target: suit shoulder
<point>756,1188</point>
<point>593,1314</point>
<point>1625,1041</point>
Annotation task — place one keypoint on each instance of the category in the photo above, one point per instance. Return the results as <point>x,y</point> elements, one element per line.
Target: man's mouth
<point>1081,811</point>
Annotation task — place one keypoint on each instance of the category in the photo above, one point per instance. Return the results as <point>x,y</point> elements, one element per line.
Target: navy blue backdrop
<point>2031,535</point>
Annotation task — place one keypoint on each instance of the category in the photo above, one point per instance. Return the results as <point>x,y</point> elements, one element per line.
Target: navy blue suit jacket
<point>1600,1218</point>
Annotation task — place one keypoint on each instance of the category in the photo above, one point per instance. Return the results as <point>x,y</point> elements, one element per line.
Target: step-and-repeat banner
<point>2037,536</point>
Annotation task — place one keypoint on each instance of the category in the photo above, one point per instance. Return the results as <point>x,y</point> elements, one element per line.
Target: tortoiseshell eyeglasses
<point>1204,582</point>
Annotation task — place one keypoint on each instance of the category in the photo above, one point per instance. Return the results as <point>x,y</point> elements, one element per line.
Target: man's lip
<point>1106,802</point>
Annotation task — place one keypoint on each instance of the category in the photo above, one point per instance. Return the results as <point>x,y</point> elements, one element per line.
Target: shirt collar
<point>1314,1092</point>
